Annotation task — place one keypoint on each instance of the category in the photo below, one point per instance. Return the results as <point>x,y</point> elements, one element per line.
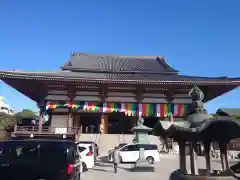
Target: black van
<point>39,159</point>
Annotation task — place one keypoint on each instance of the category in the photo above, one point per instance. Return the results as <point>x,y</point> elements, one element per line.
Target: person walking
<point>115,159</point>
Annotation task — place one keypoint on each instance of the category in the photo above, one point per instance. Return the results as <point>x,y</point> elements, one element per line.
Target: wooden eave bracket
<point>103,92</point>
<point>139,93</point>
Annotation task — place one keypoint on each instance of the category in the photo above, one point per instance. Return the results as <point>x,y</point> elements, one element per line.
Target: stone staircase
<point>108,141</point>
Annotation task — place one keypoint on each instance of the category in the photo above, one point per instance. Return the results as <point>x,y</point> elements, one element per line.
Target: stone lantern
<point>141,132</point>
<point>141,137</point>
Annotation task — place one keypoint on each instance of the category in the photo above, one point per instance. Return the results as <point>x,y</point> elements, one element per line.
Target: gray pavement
<point>104,170</point>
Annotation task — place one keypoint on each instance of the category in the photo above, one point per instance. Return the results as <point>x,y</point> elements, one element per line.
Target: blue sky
<point>196,37</point>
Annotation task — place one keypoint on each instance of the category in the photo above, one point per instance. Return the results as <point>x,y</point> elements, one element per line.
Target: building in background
<point>4,107</point>
<point>110,92</point>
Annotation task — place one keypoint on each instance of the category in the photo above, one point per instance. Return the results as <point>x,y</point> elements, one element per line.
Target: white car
<point>87,156</point>
<point>110,153</point>
<point>130,153</point>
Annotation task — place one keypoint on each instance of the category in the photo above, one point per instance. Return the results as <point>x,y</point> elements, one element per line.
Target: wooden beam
<point>103,92</point>
<point>170,95</point>
<point>139,93</point>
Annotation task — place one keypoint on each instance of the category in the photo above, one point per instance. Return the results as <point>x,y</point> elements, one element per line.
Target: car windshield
<point>120,145</point>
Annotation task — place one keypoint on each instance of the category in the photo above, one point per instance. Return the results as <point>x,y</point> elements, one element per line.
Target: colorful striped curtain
<point>130,109</point>
<point>146,109</point>
<point>90,106</point>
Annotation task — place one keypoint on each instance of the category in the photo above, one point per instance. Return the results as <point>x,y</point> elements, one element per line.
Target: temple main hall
<point>93,93</point>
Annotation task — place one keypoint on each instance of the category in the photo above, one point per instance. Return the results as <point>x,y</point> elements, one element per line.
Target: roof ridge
<point>118,55</point>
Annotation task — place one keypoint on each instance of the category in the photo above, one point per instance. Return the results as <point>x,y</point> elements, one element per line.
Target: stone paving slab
<point>104,170</point>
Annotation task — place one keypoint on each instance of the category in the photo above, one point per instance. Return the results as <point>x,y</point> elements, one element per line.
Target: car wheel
<point>150,160</point>
<point>84,167</point>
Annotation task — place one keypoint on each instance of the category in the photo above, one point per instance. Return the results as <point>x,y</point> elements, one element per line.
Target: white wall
<point>59,121</point>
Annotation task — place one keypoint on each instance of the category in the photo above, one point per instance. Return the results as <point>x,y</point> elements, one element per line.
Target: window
<point>24,151</point>
<point>48,150</point>
<point>59,151</point>
<point>150,147</point>
<point>3,149</point>
<point>81,149</point>
<point>130,148</point>
<point>71,153</point>
<point>90,149</point>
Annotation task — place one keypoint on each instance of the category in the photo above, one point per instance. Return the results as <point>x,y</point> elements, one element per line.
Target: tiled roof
<point>143,78</point>
<point>229,111</point>
<point>117,63</point>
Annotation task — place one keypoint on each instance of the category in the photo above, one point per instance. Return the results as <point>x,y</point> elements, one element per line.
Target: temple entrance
<point>118,123</point>
<point>90,123</point>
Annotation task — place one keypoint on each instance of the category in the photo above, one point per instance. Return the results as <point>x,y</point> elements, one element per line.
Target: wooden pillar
<point>50,129</point>
<point>182,156</point>
<point>223,155</point>
<point>40,121</point>
<point>134,120</point>
<point>104,124</point>
<point>193,158</point>
<point>71,95</point>
<point>42,107</point>
<point>79,124</point>
<point>208,156</point>
<point>70,121</point>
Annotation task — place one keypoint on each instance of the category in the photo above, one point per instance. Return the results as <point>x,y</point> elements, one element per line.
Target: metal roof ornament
<point>196,94</point>
<point>197,112</point>
<point>140,121</point>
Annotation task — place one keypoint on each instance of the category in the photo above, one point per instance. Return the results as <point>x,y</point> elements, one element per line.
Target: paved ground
<point>104,170</point>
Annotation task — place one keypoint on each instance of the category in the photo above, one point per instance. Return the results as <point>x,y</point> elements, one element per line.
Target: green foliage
<point>237,116</point>
<point>7,121</point>
<point>26,114</point>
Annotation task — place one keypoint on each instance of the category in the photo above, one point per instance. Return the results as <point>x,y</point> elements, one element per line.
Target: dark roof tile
<point>117,63</point>
<point>116,76</point>
<point>229,111</point>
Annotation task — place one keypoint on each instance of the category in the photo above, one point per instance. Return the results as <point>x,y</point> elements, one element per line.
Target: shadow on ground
<point>103,170</point>
<point>104,159</point>
<point>145,169</point>
<point>100,164</point>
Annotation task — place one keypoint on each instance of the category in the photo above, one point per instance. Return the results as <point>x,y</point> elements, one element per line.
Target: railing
<point>46,130</point>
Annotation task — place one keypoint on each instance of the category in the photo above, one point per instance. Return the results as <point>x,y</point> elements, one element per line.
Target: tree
<point>6,118</point>
<point>7,121</point>
<point>237,116</point>
<point>26,114</point>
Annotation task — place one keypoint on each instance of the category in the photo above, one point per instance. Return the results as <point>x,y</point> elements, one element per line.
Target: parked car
<point>96,148</point>
<point>110,152</point>
<point>130,153</point>
<point>86,151</point>
<point>39,159</point>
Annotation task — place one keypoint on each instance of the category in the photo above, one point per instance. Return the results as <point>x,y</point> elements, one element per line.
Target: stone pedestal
<point>142,165</point>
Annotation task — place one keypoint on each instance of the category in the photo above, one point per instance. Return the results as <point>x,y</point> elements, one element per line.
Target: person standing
<point>115,159</point>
